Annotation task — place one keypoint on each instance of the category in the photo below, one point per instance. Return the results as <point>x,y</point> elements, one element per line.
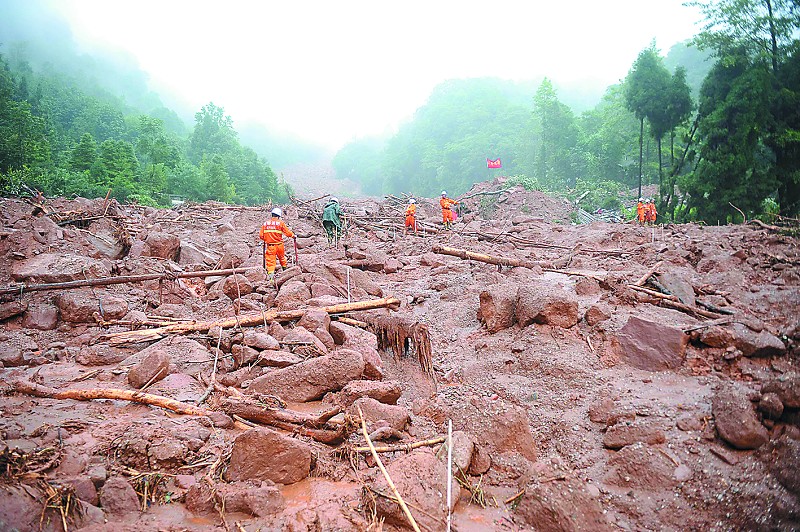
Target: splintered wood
<point>404,339</point>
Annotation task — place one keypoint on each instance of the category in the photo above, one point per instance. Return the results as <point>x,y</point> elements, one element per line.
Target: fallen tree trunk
<point>37,390</point>
<point>282,419</point>
<point>489,259</point>
<point>245,320</point>
<point>122,279</point>
<point>268,416</point>
<point>673,302</point>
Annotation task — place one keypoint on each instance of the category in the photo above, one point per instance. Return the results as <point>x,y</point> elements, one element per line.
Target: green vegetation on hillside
<point>715,124</point>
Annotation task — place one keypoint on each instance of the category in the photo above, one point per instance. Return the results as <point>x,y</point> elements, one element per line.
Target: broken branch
<point>245,320</point>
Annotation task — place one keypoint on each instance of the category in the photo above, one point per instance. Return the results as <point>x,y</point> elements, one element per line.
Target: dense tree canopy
<point>63,139</point>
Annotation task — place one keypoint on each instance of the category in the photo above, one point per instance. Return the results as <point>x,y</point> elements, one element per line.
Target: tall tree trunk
<point>641,139</point>
<point>660,173</point>
<point>772,37</point>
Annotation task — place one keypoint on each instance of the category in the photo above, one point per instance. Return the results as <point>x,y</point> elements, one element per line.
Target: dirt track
<point>578,402</point>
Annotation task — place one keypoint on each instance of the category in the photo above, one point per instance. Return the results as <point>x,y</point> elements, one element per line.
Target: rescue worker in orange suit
<point>640,214</point>
<point>272,233</point>
<point>652,214</point>
<point>447,212</point>
<point>411,216</point>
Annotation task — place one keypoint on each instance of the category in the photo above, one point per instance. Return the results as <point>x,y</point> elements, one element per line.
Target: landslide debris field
<point>617,378</point>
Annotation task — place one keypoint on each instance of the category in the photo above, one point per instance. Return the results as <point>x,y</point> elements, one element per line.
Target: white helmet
<point>335,200</point>
<point>277,211</point>
<point>641,199</point>
<point>444,193</point>
<point>412,200</point>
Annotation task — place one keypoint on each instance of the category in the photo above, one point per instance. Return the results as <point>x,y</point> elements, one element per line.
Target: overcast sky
<point>330,71</point>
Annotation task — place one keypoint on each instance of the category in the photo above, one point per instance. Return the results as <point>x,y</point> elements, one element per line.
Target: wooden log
<point>673,302</point>
<point>122,279</point>
<point>37,390</point>
<point>408,447</point>
<point>244,320</point>
<point>643,279</point>
<point>489,259</point>
<point>268,416</point>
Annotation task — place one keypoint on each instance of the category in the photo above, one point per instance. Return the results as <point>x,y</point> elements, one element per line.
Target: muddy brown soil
<point>577,401</point>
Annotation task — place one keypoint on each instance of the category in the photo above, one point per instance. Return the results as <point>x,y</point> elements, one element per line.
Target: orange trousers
<point>275,251</point>
<point>411,222</point>
<point>447,216</point>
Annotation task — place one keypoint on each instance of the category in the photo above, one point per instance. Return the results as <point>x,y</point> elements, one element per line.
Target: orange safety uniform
<point>272,234</point>
<point>640,212</point>
<point>652,214</point>
<point>447,213</point>
<point>411,216</point>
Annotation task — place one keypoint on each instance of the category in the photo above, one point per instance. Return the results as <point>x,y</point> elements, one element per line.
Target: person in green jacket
<point>332,221</point>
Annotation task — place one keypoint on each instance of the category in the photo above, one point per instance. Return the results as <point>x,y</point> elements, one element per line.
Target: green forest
<point>715,123</point>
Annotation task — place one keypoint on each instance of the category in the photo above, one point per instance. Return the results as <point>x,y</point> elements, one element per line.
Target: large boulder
<point>11,309</point>
<point>118,497</point>
<point>42,316</point>
<point>79,306</point>
<point>622,434</point>
<point>374,412</point>
<point>421,480</point>
<point>264,454</point>
<point>292,295</point>
<point>234,254</point>
<point>313,378</point>
<point>756,344</point>
<point>58,268</point>
<point>679,287</point>
<point>736,419</point>
<point>153,368</point>
<point>236,286</point>
<point>642,466</point>
<point>299,336</point>
<point>548,305</point>
<point>651,346</point>
<point>562,506</point>
<point>260,340</point>
<point>786,387</point>
<point>162,245</point>
<point>384,391</point>
<point>497,305</point>
<point>782,458</point>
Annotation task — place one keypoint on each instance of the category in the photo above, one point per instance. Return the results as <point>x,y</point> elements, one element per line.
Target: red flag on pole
<point>493,164</point>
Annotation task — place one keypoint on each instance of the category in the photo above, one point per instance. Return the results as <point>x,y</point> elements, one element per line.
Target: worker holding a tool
<point>272,233</point>
<point>332,221</point>
<point>411,217</point>
<point>447,212</point>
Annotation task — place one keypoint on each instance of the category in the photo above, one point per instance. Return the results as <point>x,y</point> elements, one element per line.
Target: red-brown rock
<point>162,245</point>
<point>313,378</point>
<point>292,295</point>
<point>421,479</point>
<point>548,305</point>
<point>651,346</point>
<point>622,434</point>
<point>786,387</point>
<point>263,454</point>
<point>79,306</point>
<point>43,317</point>
<point>58,268</point>
<point>497,307</point>
<point>236,286</point>
<point>384,391</point>
<point>374,411</point>
<point>155,366</point>
<point>562,506</point>
<point>117,497</point>
<point>736,419</point>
